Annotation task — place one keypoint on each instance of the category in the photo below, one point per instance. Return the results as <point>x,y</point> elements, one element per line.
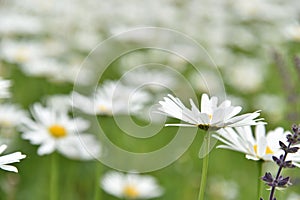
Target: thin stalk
<point>204,168</point>
<point>278,174</point>
<point>54,177</point>
<point>97,190</point>
<point>259,182</point>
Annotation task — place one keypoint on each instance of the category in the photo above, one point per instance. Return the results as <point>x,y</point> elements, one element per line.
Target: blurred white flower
<point>11,115</point>
<point>219,188</point>
<point>211,117</point>
<point>59,102</point>
<point>150,78</point>
<point>54,130</point>
<point>273,105</point>
<point>82,147</point>
<point>292,32</point>
<point>111,98</point>
<point>256,9</point>
<point>131,186</point>
<point>207,80</point>
<point>14,23</point>
<point>21,51</point>
<point>293,196</point>
<point>56,71</point>
<point>246,75</point>
<point>4,88</point>
<point>261,147</point>
<point>8,159</point>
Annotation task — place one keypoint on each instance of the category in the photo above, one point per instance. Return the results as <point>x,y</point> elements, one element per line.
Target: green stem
<point>204,168</point>
<point>97,190</point>
<point>54,177</point>
<point>259,181</point>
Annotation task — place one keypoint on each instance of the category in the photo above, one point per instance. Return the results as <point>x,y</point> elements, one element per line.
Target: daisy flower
<point>111,98</point>
<point>131,186</point>
<point>54,130</point>
<point>4,86</point>
<point>11,115</point>
<point>261,147</point>
<point>9,159</point>
<point>21,52</point>
<point>152,79</point>
<point>212,116</point>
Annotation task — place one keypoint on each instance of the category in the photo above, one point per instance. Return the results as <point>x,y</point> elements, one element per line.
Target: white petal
<point>46,148</point>
<point>2,148</point>
<point>9,168</point>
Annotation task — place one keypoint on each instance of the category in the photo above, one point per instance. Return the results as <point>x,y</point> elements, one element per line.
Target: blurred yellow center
<point>130,192</point>
<point>57,131</point>
<point>210,116</point>
<point>21,55</point>
<point>103,108</point>
<point>268,150</point>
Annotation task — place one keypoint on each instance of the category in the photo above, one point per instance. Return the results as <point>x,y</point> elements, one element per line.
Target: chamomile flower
<point>131,186</point>
<point>152,79</point>
<point>261,147</point>
<point>111,98</point>
<point>4,86</point>
<point>8,159</point>
<point>54,130</point>
<point>11,115</point>
<point>212,116</point>
<point>21,52</point>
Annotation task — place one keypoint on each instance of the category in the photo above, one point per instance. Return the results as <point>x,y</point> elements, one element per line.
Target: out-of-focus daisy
<point>150,78</point>
<point>246,75</point>
<point>14,23</point>
<point>56,71</point>
<point>220,188</point>
<point>111,98</point>
<point>4,86</point>
<point>261,147</point>
<point>54,130</point>
<point>8,159</point>
<point>21,52</point>
<point>292,32</point>
<point>131,186</point>
<point>59,102</point>
<point>293,196</point>
<point>211,117</point>
<point>272,105</point>
<point>11,115</point>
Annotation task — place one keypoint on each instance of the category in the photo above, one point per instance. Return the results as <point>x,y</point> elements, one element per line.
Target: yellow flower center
<point>268,150</point>
<point>57,131</point>
<point>103,108</point>
<point>210,116</point>
<point>130,192</point>
<point>21,56</point>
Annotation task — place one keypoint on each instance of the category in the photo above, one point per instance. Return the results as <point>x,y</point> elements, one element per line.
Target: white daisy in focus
<point>4,86</point>
<point>55,130</point>
<point>110,99</point>
<point>131,186</point>
<point>261,147</point>
<point>211,117</point>
<point>8,159</point>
